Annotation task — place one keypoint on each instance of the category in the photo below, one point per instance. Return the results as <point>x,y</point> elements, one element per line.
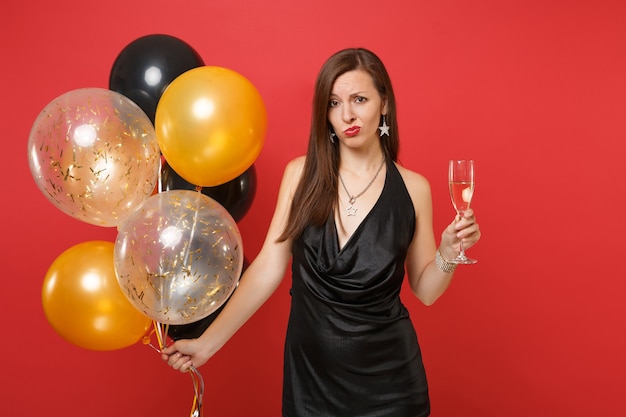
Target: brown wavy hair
<point>316,196</point>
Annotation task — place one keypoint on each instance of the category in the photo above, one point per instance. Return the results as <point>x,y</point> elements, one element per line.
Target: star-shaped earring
<point>384,129</point>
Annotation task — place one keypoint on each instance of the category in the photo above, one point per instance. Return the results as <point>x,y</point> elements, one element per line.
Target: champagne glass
<point>461,181</point>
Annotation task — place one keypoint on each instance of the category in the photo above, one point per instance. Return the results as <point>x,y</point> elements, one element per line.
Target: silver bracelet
<point>442,264</point>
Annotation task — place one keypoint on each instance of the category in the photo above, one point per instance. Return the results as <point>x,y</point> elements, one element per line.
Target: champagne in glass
<point>461,181</point>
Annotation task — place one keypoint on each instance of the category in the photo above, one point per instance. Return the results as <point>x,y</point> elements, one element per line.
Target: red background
<point>534,91</point>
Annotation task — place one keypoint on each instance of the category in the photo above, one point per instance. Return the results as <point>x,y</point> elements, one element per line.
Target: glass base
<point>463,260</point>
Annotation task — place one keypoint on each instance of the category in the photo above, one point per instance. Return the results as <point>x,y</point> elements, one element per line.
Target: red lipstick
<point>352,131</point>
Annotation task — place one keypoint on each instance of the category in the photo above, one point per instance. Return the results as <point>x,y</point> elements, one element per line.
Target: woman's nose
<point>348,114</point>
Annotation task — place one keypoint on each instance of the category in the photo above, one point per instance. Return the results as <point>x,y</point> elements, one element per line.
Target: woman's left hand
<point>462,229</point>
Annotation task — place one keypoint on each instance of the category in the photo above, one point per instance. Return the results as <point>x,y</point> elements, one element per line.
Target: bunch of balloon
<point>93,153</point>
<point>83,302</point>
<point>210,125</point>
<point>146,66</point>
<point>178,258</point>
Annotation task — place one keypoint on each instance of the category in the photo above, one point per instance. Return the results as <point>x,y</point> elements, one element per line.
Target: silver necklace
<point>351,210</point>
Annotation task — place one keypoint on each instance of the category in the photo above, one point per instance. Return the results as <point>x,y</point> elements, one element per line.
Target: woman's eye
<point>332,103</point>
<point>360,99</point>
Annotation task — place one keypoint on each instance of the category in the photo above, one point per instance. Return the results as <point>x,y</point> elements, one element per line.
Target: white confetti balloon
<point>94,154</point>
<point>178,257</point>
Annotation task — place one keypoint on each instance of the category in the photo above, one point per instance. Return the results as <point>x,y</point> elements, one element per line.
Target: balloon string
<point>160,331</point>
<point>198,388</point>
<point>147,340</point>
<point>160,176</point>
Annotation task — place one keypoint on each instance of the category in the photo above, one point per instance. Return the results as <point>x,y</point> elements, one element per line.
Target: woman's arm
<point>257,284</point>
<point>428,282</point>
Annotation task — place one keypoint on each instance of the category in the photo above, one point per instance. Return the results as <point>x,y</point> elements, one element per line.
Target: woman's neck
<point>360,161</point>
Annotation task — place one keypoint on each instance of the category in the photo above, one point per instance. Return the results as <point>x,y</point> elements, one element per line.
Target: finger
<point>182,363</point>
<point>168,350</point>
<point>465,223</point>
<point>472,236</point>
<point>174,358</point>
<point>186,367</point>
<point>467,230</point>
<point>468,216</point>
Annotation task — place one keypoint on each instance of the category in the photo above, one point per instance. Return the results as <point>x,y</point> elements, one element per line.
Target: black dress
<point>351,349</point>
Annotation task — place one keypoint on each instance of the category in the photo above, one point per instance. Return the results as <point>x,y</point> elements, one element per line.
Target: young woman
<point>354,223</point>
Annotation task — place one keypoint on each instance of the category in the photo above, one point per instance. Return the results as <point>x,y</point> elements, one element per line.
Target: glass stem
<point>461,250</point>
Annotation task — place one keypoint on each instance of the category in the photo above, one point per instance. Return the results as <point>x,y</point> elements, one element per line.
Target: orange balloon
<point>210,124</point>
<point>84,303</point>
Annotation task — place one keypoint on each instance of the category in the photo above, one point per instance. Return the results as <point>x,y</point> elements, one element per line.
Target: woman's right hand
<point>185,353</point>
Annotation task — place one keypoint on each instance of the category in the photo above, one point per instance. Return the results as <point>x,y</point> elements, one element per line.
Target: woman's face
<point>355,108</point>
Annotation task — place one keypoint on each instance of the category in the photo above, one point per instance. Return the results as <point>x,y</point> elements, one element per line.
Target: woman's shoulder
<point>414,181</point>
<point>419,189</point>
<point>293,172</point>
<point>296,164</point>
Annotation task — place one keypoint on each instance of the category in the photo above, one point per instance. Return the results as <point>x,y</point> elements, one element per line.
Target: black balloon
<point>146,66</point>
<point>195,329</point>
<point>235,196</point>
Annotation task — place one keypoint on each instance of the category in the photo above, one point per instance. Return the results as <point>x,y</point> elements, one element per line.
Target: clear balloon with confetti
<point>178,257</point>
<point>93,153</point>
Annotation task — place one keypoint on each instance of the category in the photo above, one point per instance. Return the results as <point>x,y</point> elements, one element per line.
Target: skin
<point>354,102</point>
